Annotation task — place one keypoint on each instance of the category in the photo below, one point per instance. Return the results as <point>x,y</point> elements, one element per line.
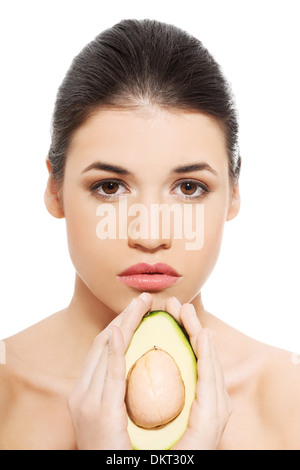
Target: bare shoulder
<point>37,350</point>
<point>32,347</point>
<point>12,385</point>
<point>264,385</point>
<point>279,395</point>
<point>6,376</point>
<point>32,389</point>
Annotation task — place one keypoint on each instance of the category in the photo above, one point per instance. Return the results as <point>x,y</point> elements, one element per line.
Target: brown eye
<point>188,188</point>
<point>110,187</point>
<point>191,190</point>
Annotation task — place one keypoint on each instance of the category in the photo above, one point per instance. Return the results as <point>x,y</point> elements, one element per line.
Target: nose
<point>148,245</point>
<point>149,228</point>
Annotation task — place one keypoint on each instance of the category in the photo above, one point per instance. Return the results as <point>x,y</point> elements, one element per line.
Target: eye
<point>108,189</point>
<point>189,189</point>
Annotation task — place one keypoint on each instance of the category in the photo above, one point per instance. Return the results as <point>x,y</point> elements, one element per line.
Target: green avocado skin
<point>171,318</point>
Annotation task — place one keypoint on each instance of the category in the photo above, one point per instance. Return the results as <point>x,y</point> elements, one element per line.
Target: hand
<point>211,408</point>
<point>96,403</point>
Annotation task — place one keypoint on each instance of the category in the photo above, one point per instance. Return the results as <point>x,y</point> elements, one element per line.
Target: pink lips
<point>149,276</point>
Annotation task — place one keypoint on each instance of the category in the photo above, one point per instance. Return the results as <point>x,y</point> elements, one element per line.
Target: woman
<point>144,116</point>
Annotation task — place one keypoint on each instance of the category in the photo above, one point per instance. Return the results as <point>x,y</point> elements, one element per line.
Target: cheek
<point>86,249</point>
<point>214,222</point>
<point>212,242</point>
<point>96,261</point>
<point>81,228</point>
<point>81,223</point>
<point>198,264</point>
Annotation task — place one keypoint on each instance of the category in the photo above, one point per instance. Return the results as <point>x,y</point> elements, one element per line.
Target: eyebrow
<point>107,167</point>
<point>194,167</point>
<point>122,171</point>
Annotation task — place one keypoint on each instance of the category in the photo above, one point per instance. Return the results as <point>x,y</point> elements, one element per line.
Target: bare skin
<point>52,366</point>
<point>263,386</point>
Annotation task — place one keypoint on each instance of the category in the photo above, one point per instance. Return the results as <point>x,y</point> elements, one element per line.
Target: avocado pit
<point>155,392</point>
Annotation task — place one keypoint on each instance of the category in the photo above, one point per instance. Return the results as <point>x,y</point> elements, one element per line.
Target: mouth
<point>145,276</point>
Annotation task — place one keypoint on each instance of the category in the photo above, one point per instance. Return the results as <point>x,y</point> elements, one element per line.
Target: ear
<point>52,196</point>
<point>234,202</point>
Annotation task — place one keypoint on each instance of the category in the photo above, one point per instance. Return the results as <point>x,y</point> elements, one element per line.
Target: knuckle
<point>144,299</point>
<point>140,303</point>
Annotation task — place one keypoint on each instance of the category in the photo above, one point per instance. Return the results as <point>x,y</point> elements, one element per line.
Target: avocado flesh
<point>160,329</point>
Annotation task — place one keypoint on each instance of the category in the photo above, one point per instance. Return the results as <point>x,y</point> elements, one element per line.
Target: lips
<point>145,276</point>
<point>144,268</point>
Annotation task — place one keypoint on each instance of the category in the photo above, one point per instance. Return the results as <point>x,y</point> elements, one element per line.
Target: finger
<point>118,319</point>
<point>206,394</point>
<point>224,402</point>
<point>96,383</point>
<point>173,306</point>
<point>132,318</point>
<point>95,357</point>
<point>203,414</point>
<point>114,382</point>
<point>91,361</point>
<point>220,382</point>
<point>191,323</point>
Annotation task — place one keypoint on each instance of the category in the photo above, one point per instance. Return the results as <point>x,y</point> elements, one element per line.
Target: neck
<point>86,314</point>
<point>201,312</point>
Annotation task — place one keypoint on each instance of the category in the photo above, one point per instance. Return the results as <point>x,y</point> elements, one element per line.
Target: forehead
<point>150,137</point>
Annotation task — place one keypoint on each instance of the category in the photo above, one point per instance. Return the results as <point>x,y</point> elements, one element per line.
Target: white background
<point>255,286</point>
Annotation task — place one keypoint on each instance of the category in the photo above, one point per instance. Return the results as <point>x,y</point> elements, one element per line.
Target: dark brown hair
<point>136,63</point>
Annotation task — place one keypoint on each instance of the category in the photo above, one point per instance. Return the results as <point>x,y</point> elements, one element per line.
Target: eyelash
<point>204,189</point>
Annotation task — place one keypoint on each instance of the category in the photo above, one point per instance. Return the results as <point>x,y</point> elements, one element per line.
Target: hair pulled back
<point>137,63</point>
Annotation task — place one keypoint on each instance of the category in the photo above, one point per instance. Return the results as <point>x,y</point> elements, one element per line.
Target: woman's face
<point>149,158</point>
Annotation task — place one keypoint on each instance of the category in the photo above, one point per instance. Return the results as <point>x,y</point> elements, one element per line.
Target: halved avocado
<point>159,329</point>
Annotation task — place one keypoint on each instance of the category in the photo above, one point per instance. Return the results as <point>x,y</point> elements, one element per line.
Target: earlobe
<point>51,197</point>
<point>235,202</point>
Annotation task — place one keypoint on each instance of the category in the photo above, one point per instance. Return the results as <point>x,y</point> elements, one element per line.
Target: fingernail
<point>176,301</point>
<point>132,303</point>
<point>210,333</point>
<point>144,296</point>
<point>193,309</point>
